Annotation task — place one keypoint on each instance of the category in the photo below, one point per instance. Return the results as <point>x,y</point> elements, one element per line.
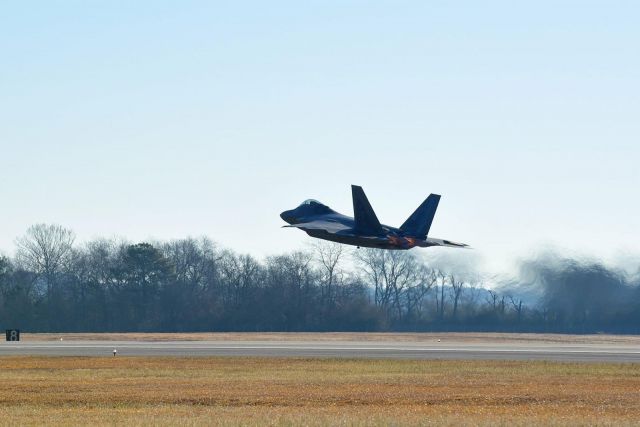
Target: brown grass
<point>339,336</point>
<point>258,391</point>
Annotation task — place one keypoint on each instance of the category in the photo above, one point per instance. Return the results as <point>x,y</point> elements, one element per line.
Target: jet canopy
<point>313,207</point>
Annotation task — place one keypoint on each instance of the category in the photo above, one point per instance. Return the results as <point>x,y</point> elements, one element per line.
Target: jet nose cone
<point>287,216</point>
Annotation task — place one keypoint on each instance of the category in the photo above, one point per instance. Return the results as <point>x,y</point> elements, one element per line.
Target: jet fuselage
<point>321,222</point>
<point>341,229</point>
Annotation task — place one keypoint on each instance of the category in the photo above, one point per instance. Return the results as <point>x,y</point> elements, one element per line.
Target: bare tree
<point>426,279</point>
<point>441,277</point>
<point>471,297</point>
<point>45,250</point>
<point>290,281</point>
<point>195,260</point>
<point>457,286</point>
<point>492,300</point>
<point>328,256</point>
<point>516,303</point>
<point>394,275</point>
<point>240,275</point>
<point>94,267</point>
<point>5,268</point>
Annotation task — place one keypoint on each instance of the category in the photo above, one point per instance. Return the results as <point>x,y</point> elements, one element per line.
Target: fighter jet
<point>364,229</point>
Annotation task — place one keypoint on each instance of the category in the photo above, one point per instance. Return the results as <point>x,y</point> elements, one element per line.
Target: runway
<point>600,352</point>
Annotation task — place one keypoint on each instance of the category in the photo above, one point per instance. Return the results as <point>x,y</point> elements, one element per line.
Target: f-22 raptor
<point>364,229</point>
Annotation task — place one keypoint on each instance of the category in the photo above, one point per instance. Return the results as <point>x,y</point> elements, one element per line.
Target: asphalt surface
<point>344,349</point>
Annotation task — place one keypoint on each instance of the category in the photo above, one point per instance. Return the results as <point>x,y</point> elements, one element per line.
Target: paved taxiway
<point>601,352</point>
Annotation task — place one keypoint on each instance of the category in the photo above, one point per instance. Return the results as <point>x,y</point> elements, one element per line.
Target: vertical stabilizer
<point>366,219</point>
<point>419,222</point>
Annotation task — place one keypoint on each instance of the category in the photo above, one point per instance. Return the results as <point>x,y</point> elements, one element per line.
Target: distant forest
<point>52,284</point>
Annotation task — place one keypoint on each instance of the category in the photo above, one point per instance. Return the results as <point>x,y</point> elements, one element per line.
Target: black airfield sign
<point>13,334</point>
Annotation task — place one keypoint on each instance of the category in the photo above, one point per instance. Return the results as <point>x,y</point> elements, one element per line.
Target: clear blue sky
<point>166,119</point>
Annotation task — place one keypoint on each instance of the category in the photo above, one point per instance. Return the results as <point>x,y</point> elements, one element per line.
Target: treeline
<point>52,284</point>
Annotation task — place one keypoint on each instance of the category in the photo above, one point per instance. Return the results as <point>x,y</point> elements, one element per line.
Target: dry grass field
<point>259,391</point>
<point>338,336</point>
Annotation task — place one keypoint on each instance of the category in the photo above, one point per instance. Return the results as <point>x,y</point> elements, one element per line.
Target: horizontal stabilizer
<point>454,244</point>
<point>448,243</point>
<point>419,222</point>
<point>365,218</point>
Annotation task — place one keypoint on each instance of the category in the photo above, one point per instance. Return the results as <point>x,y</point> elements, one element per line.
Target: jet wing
<point>329,226</point>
